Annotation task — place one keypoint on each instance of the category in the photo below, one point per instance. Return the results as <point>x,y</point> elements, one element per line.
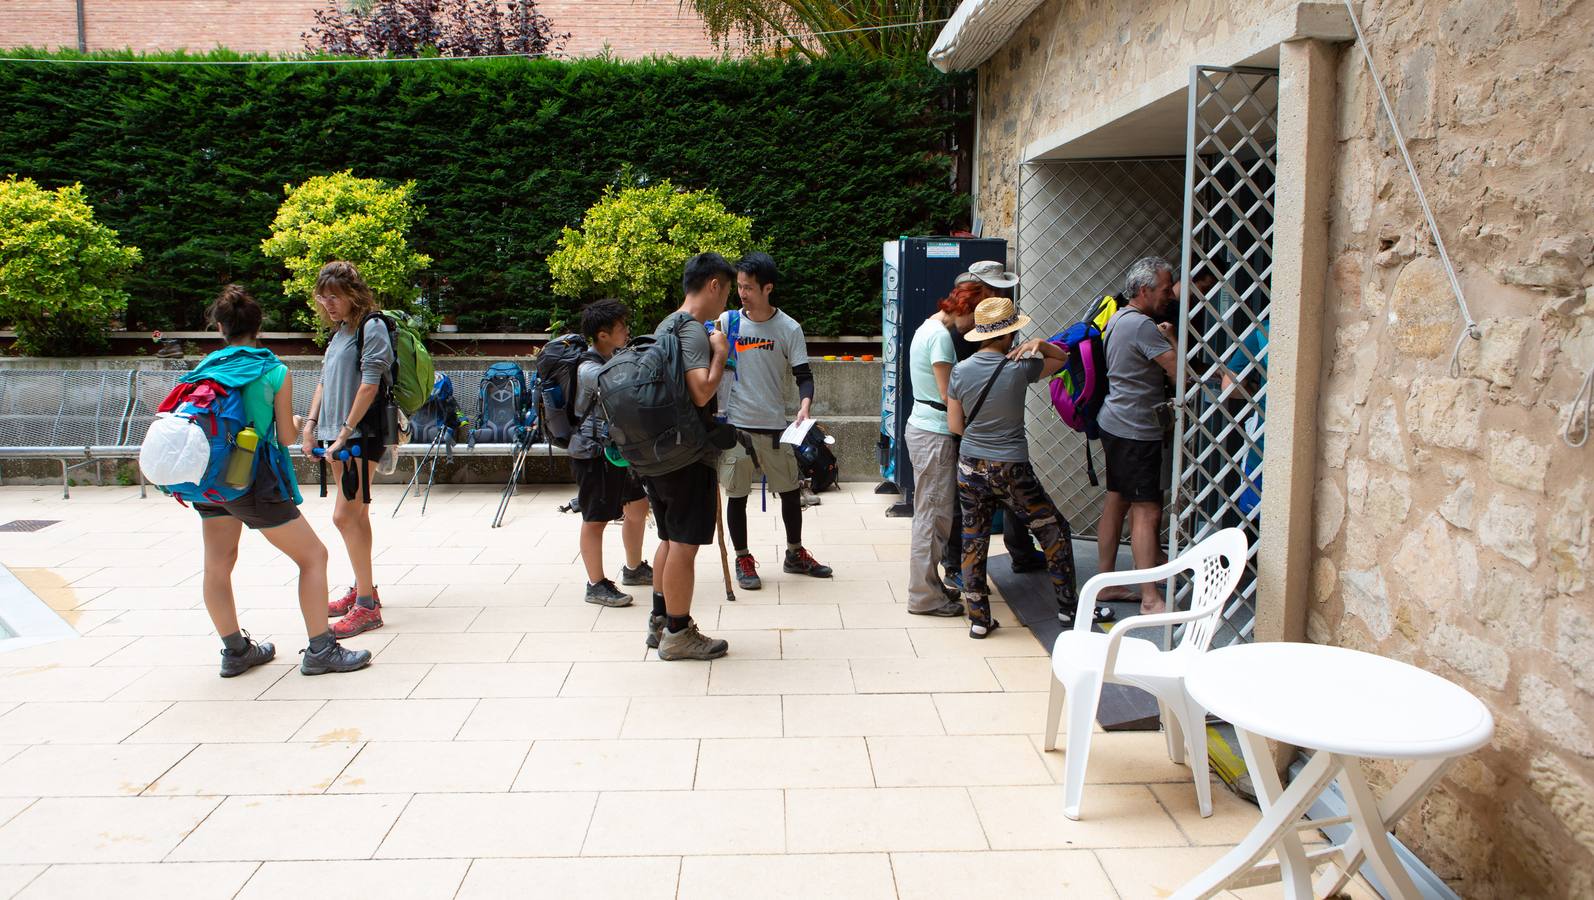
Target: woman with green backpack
<point>358,357</point>
<point>270,506</point>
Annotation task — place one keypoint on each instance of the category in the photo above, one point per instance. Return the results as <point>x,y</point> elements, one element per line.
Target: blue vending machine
<point>918,273</point>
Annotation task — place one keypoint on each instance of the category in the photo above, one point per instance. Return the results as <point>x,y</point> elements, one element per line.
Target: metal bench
<point>82,416</point>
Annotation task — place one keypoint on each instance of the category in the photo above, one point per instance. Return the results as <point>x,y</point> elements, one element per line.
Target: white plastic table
<point>1341,705</point>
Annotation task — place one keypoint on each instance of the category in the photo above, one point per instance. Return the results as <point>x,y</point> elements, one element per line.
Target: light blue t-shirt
<point>931,344</point>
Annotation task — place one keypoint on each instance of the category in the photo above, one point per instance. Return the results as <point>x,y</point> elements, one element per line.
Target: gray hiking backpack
<point>652,421</point>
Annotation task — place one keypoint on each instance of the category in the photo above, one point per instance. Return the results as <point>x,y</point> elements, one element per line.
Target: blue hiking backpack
<point>186,449</point>
<point>503,404</point>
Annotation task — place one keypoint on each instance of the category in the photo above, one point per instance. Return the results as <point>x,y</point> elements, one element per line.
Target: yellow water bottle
<point>241,462</point>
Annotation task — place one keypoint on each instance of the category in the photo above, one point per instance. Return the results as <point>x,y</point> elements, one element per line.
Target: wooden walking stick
<point>725,560</point>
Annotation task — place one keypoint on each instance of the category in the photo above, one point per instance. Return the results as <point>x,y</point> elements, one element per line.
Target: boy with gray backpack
<point>654,396</point>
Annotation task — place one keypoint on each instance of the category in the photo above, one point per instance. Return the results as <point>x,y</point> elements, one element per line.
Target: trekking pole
<point>514,479</point>
<point>725,561</point>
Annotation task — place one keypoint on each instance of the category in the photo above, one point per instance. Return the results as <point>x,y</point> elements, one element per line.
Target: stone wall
<point>1452,525</point>
<point>628,28</point>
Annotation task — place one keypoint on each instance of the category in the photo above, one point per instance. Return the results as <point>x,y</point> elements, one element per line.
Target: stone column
<point>1306,147</point>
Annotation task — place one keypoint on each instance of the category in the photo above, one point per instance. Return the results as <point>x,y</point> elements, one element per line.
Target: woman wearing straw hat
<point>985,404</point>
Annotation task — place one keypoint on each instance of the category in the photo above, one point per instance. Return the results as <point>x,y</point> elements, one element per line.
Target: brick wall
<point>630,28</point>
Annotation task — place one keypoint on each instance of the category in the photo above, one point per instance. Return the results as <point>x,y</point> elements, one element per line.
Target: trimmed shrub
<point>634,243</point>
<point>360,220</point>
<point>61,272</point>
<point>828,159</point>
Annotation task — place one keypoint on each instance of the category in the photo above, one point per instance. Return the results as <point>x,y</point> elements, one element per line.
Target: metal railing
<point>78,417</point>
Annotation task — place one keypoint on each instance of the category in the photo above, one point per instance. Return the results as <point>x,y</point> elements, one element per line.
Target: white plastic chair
<point>1082,660</point>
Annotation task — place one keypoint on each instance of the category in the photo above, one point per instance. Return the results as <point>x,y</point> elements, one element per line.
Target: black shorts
<point>1134,468</point>
<point>267,504</point>
<point>603,489</point>
<point>684,504</point>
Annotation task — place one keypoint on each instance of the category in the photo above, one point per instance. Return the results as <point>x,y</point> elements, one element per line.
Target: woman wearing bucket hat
<point>985,403</point>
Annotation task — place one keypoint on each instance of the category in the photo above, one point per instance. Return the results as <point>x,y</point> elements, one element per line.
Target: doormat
<point>1122,708</point>
<point>28,524</point>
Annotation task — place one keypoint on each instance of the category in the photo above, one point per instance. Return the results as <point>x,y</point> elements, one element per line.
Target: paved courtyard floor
<point>511,740</point>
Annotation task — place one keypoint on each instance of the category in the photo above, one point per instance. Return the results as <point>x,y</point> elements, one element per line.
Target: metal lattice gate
<point>1081,224</point>
<point>1228,230</point>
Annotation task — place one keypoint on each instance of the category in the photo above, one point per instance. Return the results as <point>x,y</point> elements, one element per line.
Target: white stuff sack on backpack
<point>175,451</point>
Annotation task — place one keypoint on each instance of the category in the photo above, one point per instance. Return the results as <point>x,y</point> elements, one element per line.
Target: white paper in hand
<point>796,431</point>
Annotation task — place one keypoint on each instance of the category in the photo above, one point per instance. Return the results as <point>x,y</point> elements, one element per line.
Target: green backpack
<point>413,373</point>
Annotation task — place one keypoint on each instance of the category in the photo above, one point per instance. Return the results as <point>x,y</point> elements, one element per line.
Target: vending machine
<point>918,273</point>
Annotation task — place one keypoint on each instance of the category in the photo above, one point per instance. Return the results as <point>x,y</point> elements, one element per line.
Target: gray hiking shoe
<point>642,574</point>
<point>689,643</point>
<point>234,664</point>
<point>333,658</point>
<point>747,573</point>
<point>604,593</point>
<point>655,631</point>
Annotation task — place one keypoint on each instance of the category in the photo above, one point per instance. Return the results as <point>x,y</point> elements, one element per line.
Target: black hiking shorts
<point>603,489</point>
<point>684,504</point>
<point>1134,468</point>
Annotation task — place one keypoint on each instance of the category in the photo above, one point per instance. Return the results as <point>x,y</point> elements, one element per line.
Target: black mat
<point>1122,708</point>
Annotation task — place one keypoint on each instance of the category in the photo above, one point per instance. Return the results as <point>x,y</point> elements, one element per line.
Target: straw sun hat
<point>994,317</point>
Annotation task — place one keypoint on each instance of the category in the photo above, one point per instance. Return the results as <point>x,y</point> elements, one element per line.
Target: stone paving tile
<point>617,765</point>
<point>860,820</point>
<point>614,878</point>
<point>389,879</point>
<point>483,825</point>
<point>1034,875</point>
<point>386,720</point>
<point>76,723</point>
<point>651,823</point>
<point>88,770</point>
<point>752,763</point>
<point>307,827</point>
<point>142,881</point>
<point>15,878</point>
<point>848,716</point>
<point>226,721</point>
<point>855,876</point>
<point>704,717</point>
<point>391,767</point>
<point>43,684</point>
<point>101,829</point>
<point>927,761</point>
<point>264,768</point>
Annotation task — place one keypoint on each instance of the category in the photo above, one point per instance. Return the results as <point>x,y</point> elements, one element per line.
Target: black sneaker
<point>333,658</point>
<point>642,574</point>
<point>234,664</point>
<point>655,631</point>
<point>801,562</point>
<point>604,593</point>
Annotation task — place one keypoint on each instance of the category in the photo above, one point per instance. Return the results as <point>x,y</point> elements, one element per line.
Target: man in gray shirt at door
<point>1140,362</point>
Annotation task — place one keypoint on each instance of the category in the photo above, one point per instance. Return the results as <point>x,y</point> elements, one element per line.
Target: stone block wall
<point>628,28</point>
<point>1452,526</point>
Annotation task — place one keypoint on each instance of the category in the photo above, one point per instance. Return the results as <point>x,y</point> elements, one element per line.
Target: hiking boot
<point>233,664</point>
<point>333,658</point>
<point>689,643</point>
<point>604,593</point>
<point>342,605</point>
<point>747,573</point>
<point>655,631</point>
<point>801,562</point>
<point>950,609</point>
<point>358,620</point>
<point>1028,562</point>
<point>642,574</point>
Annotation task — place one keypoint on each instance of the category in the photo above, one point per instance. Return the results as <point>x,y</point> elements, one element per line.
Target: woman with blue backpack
<point>358,357</point>
<point>271,503</point>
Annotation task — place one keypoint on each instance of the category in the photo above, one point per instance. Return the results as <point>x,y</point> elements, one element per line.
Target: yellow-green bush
<point>361,220</point>
<point>61,272</point>
<point>634,242</point>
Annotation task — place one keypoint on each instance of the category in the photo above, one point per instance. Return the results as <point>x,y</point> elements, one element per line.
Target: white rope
<point>1581,414</point>
<point>342,61</point>
<point>1471,329</point>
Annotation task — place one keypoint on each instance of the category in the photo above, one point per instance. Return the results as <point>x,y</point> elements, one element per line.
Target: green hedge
<point>189,163</point>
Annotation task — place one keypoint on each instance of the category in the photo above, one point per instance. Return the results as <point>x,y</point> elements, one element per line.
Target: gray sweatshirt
<point>342,374</point>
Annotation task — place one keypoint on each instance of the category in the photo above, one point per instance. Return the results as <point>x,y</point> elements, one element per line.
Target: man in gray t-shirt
<point>985,404</point>
<point>768,355</point>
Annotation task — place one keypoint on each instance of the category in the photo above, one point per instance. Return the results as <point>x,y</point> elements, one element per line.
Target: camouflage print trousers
<point>985,485</point>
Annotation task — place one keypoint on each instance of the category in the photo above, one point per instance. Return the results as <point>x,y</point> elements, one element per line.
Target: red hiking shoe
<point>357,620</point>
<point>747,573</point>
<point>342,605</point>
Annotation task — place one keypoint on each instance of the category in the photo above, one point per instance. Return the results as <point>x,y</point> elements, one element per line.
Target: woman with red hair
<point>932,448</point>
